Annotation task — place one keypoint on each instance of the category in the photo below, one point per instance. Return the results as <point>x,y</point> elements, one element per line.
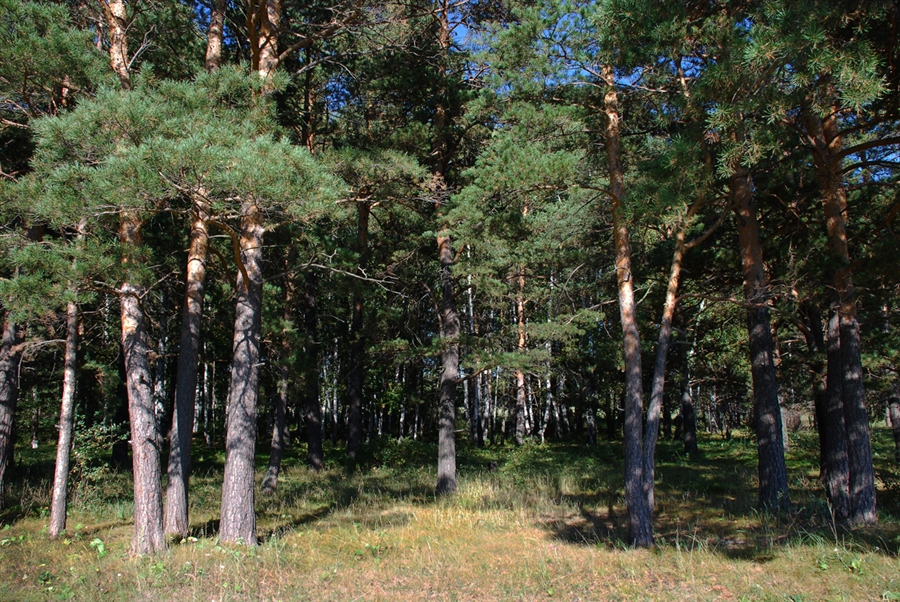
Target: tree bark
<point>145,440</point>
<point>356,376</point>
<point>279,440</point>
<point>449,318</point>
<point>827,151</point>
<point>313,413</point>
<point>520,348</point>
<point>66,422</point>
<point>116,15</point>
<point>651,431</point>
<point>640,517</point>
<point>215,36</point>
<point>10,357</point>
<point>179,467</point>
<point>238,517</point>
<point>773,487</point>
<point>894,413</point>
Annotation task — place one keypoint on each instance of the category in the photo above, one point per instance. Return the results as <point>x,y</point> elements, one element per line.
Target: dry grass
<point>547,524</point>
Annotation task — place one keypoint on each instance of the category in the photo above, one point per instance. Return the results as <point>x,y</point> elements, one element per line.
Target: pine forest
<point>439,299</point>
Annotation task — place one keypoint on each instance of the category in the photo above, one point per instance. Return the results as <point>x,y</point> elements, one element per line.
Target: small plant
<point>98,544</point>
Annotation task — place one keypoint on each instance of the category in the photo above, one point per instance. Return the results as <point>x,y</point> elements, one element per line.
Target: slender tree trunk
<point>179,467</point>
<point>279,425</point>
<point>313,413</point>
<point>640,517</point>
<point>773,486</point>
<point>145,439</point>
<point>521,411</point>
<point>10,357</point>
<point>66,424</point>
<point>832,429</point>
<point>356,376</point>
<point>238,520</point>
<point>215,36</point>
<point>894,414</point>
<point>654,410</point>
<point>449,318</point>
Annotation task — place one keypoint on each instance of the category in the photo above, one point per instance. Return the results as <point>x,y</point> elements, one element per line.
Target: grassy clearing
<point>534,523</point>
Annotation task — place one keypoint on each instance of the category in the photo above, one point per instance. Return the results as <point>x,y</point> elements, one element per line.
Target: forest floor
<point>540,522</point>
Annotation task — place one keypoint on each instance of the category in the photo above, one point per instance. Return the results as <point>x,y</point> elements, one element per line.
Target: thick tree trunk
<point>356,376</point>
<point>313,412</point>
<point>145,439</point>
<point>827,149</point>
<point>446,482</point>
<point>640,517</point>
<point>279,440</point>
<point>238,519</point>
<point>773,487</point>
<point>832,431</point>
<point>10,356</point>
<point>66,423</point>
<point>179,467</point>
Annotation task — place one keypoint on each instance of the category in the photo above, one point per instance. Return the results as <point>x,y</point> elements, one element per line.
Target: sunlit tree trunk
<point>179,467</point>
<point>145,437</point>
<point>773,486</point>
<point>827,154</point>
<point>640,523</point>
<point>238,519</point>
<point>58,501</point>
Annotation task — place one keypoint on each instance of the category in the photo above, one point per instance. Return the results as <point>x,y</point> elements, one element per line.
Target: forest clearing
<point>530,523</point>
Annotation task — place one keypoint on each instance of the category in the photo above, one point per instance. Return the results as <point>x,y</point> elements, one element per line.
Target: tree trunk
<point>827,149</point>
<point>238,520</point>
<point>773,487</point>
<point>145,439</point>
<point>66,423</point>
<point>356,376</point>
<point>657,390</point>
<point>313,412</point>
<point>10,356</point>
<point>640,518</point>
<point>179,467</point>
<point>116,15</point>
<point>520,348</point>
<point>279,424</point>
<point>215,36</point>
<point>894,414</point>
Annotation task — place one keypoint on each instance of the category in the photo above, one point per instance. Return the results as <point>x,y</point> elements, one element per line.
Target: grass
<point>541,522</point>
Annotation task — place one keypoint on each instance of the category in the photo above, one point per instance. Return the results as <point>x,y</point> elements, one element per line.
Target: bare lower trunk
<point>10,356</point>
<point>145,438</point>
<point>66,423</point>
<point>238,518</point>
<point>894,414</point>
<point>446,481</point>
<point>832,430</point>
<point>827,153</point>
<point>651,431</point>
<point>313,413</point>
<point>640,517</point>
<point>356,376</point>
<point>521,400</point>
<point>773,487</point>
<point>279,440</point>
<point>179,467</point>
